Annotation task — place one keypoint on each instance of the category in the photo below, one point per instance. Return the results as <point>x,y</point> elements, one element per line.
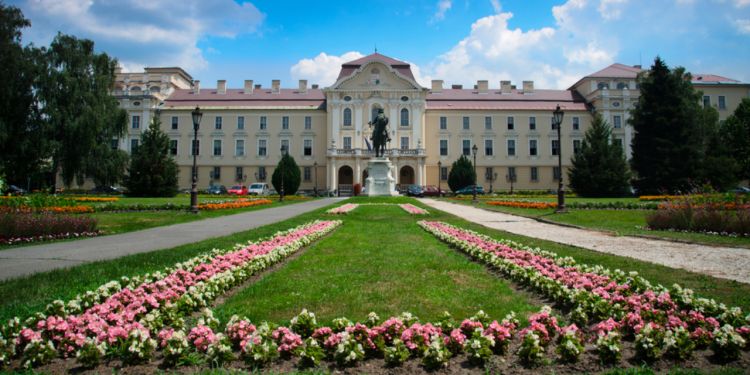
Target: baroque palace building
<point>326,129</point>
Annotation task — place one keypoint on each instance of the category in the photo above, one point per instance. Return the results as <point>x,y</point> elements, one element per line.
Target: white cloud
<point>442,7</point>
<point>322,69</point>
<point>143,32</point>
<point>741,3</point>
<point>742,26</point>
<point>591,54</point>
<point>611,9</point>
<point>496,6</point>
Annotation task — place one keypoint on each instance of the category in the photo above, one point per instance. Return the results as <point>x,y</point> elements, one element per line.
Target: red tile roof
<point>516,100</point>
<point>617,71</point>
<point>711,78</point>
<point>348,68</point>
<point>313,98</point>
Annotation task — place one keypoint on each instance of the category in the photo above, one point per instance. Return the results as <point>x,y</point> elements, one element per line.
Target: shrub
<point>292,176</point>
<point>25,225</point>
<point>704,214</point>
<point>461,174</point>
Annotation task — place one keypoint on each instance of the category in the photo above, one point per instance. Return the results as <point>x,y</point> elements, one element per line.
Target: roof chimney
<point>196,87</point>
<point>248,86</point>
<point>483,86</point>
<point>315,86</point>
<point>221,86</point>
<point>276,86</point>
<point>303,86</point>
<point>457,87</point>
<point>528,87</point>
<point>637,66</point>
<point>437,85</point>
<point>257,86</point>
<point>505,87</point>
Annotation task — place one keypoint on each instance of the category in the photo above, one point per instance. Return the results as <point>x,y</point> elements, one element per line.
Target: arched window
<point>404,117</point>
<point>622,86</point>
<point>603,86</point>
<point>347,117</point>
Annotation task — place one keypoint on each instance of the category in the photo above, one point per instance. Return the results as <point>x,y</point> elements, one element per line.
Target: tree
<point>106,165</point>
<point>292,176</point>
<point>152,172</point>
<point>461,174</point>
<point>735,133</point>
<point>667,145</point>
<point>75,97</point>
<point>22,142</point>
<point>599,168</point>
<point>719,168</point>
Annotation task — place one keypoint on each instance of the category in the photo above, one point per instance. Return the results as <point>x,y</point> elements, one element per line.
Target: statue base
<point>380,181</point>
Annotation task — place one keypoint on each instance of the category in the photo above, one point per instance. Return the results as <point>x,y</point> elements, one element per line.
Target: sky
<point>553,43</point>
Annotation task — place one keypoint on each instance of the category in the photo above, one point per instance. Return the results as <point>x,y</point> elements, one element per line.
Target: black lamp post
<point>315,167</point>
<point>474,151</point>
<point>440,177</point>
<point>557,117</point>
<point>197,115</point>
<point>281,165</point>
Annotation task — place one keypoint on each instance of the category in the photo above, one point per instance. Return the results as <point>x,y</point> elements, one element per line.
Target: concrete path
<point>32,259</point>
<point>724,262</point>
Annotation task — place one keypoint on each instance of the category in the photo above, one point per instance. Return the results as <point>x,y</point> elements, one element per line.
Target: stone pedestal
<point>380,181</point>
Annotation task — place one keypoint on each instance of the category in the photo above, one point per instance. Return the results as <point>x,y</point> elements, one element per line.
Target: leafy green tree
<point>105,165</point>
<point>719,168</point>
<point>75,94</point>
<point>667,145</point>
<point>152,172</point>
<point>599,168</point>
<point>22,142</point>
<point>735,133</point>
<point>461,174</point>
<point>292,176</point>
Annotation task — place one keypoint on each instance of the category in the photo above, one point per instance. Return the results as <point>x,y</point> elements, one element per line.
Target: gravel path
<point>724,262</point>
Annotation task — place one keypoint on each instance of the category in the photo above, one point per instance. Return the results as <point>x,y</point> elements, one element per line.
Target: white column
<point>416,118</point>
<point>393,124</point>
<point>357,171</point>
<point>333,175</point>
<point>358,123</point>
<point>418,171</point>
<point>335,109</point>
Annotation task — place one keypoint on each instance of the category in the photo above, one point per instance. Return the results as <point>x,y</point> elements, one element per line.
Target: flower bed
<point>702,215</point>
<point>94,199</point>
<point>612,302</point>
<point>239,203</point>
<point>412,209</point>
<point>16,227</point>
<point>652,198</point>
<point>524,204</point>
<point>343,209</point>
<point>121,318</point>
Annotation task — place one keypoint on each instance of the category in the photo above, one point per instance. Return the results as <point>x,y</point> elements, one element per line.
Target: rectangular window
<point>576,123</point>
<point>285,123</point>
<point>617,121</point>
<point>532,123</point>
<point>307,173</point>
<point>555,147</point>
<point>217,147</point>
<point>443,173</point>
<point>262,147</point>
<point>196,149</point>
<point>443,147</point>
<point>618,142</point>
<point>308,122</point>
<point>404,143</point>
<point>489,174</point>
<point>534,174</point>
<point>347,143</point>
<point>706,101</point>
<point>241,123</point>
<point>261,173</point>
<point>552,123</point>
<point>511,123</point>
<point>532,147</point>
<point>114,144</point>
<point>722,102</point>
<point>488,123</point>
<point>173,147</point>
<point>511,147</point>
<point>511,174</point>
<point>443,123</point>
<point>556,173</point>
<point>175,122</point>
<point>466,149</point>
<point>576,145</point>
<point>488,149</point>
<point>404,117</point>
<point>133,146</point>
<point>467,123</point>
<point>307,147</point>
<point>216,173</point>
<point>239,147</point>
<point>263,124</point>
<point>217,123</point>
<point>136,122</point>
<point>285,145</point>
<point>239,174</point>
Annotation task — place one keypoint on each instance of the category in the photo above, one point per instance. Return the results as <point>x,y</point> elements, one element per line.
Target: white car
<point>258,188</point>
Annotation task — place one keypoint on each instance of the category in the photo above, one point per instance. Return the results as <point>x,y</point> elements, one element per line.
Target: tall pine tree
<point>735,133</point>
<point>461,174</point>
<point>152,173</point>
<point>292,176</point>
<point>667,145</point>
<point>599,168</point>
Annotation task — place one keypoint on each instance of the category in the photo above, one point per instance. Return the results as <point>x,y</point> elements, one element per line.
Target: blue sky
<point>553,43</point>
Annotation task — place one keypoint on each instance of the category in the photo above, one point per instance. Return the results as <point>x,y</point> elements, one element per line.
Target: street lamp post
<point>474,151</point>
<point>197,115</point>
<point>557,117</point>
<point>315,189</point>
<point>440,177</point>
<point>281,165</point>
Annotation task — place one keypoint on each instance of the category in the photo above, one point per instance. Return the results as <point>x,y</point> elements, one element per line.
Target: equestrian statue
<point>379,136</point>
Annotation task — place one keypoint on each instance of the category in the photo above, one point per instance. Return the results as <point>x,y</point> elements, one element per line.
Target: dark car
<point>741,190</point>
<point>414,191</point>
<point>432,191</point>
<point>106,190</point>
<point>217,190</point>
<point>469,190</point>
<point>15,190</point>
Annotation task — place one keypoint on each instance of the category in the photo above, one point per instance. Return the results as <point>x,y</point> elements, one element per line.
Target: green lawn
<point>380,261</point>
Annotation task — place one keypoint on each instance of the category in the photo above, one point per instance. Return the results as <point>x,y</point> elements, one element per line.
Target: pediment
<point>376,76</point>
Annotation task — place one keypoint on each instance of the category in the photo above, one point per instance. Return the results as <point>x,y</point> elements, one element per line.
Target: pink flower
<point>201,337</point>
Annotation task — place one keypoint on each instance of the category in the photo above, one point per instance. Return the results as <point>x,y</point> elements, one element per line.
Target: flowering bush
<point>343,209</point>
<point>396,354</point>
<point>727,343</point>
<point>436,355</point>
<point>311,353</point>
<point>18,227</point>
<point>531,351</point>
<point>570,344</point>
<point>479,347</point>
<point>649,342</point>
<point>304,323</point>
<point>608,347</point>
<point>412,209</point>
<point>91,352</point>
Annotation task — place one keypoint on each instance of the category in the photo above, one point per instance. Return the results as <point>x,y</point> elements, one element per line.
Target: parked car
<point>238,190</point>
<point>469,190</point>
<point>106,190</point>
<point>432,191</point>
<point>217,190</point>
<point>741,190</point>
<point>15,190</point>
<point>414,191</point>
<point>259,188</point>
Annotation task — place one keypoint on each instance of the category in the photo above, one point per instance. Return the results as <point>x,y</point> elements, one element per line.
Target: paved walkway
<point>32,259</point>
<point>724,262</point>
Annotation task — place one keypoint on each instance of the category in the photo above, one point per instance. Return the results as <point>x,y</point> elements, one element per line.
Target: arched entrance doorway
<point>406,176</point>
<point>346,181</point>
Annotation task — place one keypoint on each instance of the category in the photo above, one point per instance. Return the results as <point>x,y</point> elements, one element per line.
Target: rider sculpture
<point>379,136</point>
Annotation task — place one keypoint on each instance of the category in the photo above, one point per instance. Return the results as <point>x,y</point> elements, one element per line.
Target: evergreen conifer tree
<point>735,132</point>
<point>599,167</point>
<point>461,174</point>
<point>292,176</point>
<point>152,172</point>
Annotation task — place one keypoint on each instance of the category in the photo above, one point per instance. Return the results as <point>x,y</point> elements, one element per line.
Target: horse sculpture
<point>379,136</point>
